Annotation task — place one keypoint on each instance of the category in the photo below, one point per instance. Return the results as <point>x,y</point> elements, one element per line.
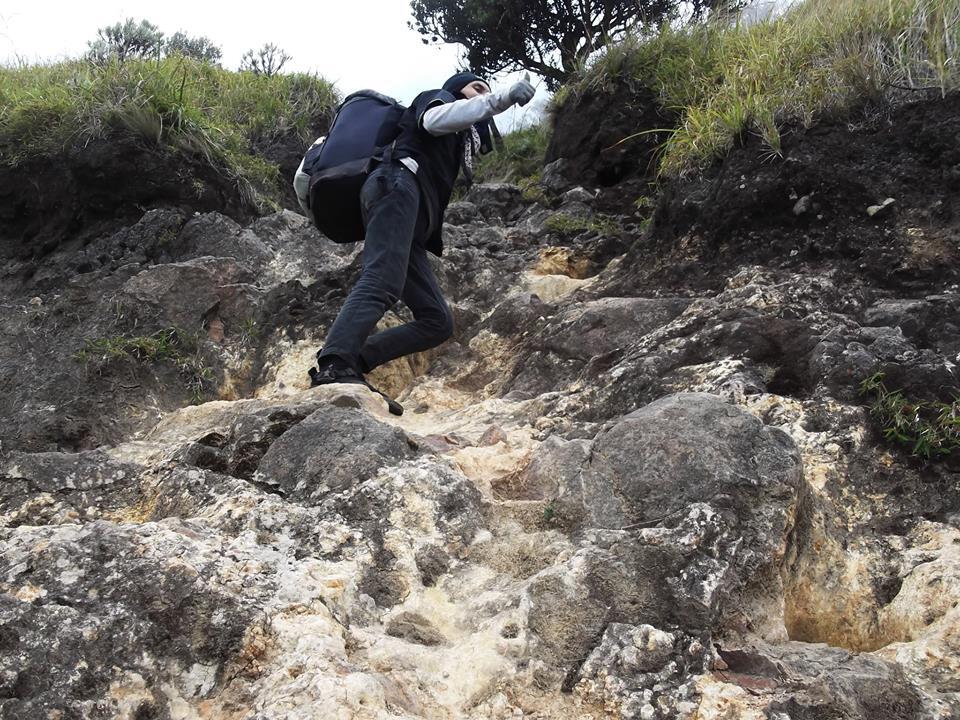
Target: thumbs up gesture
<point>522,92</point>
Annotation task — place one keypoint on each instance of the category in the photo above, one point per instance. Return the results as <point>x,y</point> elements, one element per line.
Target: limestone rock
<point>122,605</point>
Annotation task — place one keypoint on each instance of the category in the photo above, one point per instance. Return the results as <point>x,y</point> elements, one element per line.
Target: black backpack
<point>334,169</point>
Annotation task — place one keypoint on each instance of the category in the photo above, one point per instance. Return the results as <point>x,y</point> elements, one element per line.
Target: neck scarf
<point>471,148</point>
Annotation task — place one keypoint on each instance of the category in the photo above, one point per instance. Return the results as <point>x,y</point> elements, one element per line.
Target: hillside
<point>689,454</point>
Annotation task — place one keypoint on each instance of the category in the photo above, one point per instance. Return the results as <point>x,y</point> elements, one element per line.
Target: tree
<point>199,48</point>
<point>126,40</point>
<point>549,37</point>
<point>268,60</point>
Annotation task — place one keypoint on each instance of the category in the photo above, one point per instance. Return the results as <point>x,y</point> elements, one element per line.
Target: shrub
<point>127,40</point>
<point>268,60</point>
<point>131,40</point>
<point>199,48</point>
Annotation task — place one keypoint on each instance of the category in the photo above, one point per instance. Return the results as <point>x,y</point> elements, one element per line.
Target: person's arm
<point>460,114</point>
<point>445,118</point>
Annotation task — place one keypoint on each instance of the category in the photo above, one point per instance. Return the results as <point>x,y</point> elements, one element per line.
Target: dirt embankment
<point>876,197</point>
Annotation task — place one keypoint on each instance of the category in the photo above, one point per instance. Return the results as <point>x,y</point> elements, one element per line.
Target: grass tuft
<point>930,430</point>
<point>564,224</point>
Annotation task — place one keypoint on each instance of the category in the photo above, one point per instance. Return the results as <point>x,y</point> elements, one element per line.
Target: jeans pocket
<point>384,180</point>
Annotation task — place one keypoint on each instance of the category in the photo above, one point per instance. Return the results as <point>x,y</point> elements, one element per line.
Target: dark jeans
<point>395,266</point>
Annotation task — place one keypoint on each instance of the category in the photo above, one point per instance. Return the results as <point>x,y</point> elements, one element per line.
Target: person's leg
<point>432,324</point>
<point>390,199</point>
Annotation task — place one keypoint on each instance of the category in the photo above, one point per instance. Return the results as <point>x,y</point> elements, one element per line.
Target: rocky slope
<point>639,482</point>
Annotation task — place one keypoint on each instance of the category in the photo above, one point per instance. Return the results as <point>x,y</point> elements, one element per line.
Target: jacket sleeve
<point>458,115</point>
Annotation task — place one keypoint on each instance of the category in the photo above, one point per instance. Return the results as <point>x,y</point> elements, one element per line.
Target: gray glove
<point>520,93</point>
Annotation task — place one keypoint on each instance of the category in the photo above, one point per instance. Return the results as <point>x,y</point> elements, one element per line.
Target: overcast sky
<point>355,44</point>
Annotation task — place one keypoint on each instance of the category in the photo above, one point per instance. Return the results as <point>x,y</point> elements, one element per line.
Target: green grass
<point>146,348</point>
<point>824,59</point>
<point>520,157</point>
<point>929,429</point>
<point>176,102</point>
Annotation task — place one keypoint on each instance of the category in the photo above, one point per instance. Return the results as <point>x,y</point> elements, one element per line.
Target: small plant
<point>145,348</point>
<point>198,378</point>
<point>645,206</point>
<point>645,203</point>
<point>931,429</point>
<point>549,512</point>
<point>267,61</point>
<point>531,190</point>
<point>249,331</point>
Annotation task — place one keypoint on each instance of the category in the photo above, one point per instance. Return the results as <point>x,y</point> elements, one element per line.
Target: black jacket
<point>438,158</point>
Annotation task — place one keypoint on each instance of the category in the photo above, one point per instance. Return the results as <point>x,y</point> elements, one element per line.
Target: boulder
<point>216,235</point>
<point>461,213</point>
<point>185,295</point>
<point>331,450</point>
<point>712,494</point>
<point>652,464</point>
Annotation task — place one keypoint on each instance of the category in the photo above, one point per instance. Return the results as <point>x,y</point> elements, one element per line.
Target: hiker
<point>403,201</point>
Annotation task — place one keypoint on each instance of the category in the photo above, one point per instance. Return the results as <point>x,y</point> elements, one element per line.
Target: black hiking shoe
<point>333,369</point>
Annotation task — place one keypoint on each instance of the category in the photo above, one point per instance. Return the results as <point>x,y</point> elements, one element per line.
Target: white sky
<point>353,43</point>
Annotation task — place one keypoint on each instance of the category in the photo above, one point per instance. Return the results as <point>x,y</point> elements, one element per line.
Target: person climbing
<point>403,201</point>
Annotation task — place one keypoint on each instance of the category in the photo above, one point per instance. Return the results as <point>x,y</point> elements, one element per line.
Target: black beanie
<point>456,83</point>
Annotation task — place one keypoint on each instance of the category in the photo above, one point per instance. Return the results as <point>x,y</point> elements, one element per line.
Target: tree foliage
<point>268,60</point>
<point>549,37</point>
